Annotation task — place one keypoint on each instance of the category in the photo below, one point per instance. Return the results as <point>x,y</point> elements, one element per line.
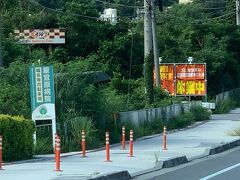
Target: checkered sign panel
<point>40,36</point>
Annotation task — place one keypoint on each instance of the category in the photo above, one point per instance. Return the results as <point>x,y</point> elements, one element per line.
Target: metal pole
<point>237,13</point>
<point>35,134</point>
<point>155,46</point>
<point>54,131</point>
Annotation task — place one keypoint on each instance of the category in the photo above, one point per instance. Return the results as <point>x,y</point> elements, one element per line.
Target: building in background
<point>109,15</point>
<point>184,1</point>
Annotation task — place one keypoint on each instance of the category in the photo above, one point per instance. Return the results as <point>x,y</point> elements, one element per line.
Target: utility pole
<point>148,51</point>
<point>147,28</point>
<point>155,46</point>
<point>237,13</point>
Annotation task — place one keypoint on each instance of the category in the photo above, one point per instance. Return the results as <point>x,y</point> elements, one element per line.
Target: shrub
<point>234,132</point>
<point>181,121</point>
<point>156,127</point>
<point>17,137</point>
<point>199,113</point>
<point>224,106</point>
<point>138,131</point>
<point>43,145</point>
<point>71,141</point>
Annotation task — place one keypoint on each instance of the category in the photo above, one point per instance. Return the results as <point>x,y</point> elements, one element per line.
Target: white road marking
<point>220,172</point>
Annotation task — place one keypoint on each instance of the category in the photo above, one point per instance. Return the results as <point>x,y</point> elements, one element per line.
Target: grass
<point>235,132</point>
<point>225,106</point>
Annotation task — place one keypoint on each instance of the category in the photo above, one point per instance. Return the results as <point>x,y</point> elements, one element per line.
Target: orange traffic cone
<point>131,144</point>
<point>164,138</point>
<point>123,138</point>
<point>107,148</point>
<point>57,155</point>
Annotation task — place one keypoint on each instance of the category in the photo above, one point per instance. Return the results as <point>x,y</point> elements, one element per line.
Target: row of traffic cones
<point>123,142</point>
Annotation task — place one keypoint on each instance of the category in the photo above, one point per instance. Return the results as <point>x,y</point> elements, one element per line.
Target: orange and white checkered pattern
<point>52,35</point>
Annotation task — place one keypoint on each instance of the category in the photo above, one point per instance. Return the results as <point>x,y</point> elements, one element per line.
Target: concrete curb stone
<point>122,175</point>
<point>183,159</point>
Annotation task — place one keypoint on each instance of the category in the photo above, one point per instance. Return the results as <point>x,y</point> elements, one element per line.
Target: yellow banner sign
<point>191,87</point>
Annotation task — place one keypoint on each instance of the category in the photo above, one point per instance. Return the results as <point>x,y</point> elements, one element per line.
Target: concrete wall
<point>228,95</point>
<point>147,115</point>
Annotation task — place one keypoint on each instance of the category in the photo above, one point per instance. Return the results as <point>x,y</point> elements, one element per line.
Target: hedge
<point>17,135</point>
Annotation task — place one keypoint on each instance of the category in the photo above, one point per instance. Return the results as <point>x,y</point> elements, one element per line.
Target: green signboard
<point>42,92</point>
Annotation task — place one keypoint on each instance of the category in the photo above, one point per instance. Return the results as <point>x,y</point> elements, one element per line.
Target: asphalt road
<point>224,166</point>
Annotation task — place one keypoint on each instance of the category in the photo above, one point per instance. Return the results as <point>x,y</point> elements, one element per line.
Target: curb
<point>45,158</point>
<point>51,157</point>
<point>183,159</point>
<point>172,162</point>
<point>122,175</point>
<point>223,147</point>
<point>163,164</point>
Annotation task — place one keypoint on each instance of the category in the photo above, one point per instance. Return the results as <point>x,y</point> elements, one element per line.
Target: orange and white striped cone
<point>58,152</point>
<point>83,143</point>
<point>123,138</point>
<point>164,138</point>
<point>107,148</point>
<point>1,159</point>
<point>131,144</point>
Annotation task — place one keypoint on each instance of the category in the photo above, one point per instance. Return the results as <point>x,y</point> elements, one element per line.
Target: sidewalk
<point>189,144</point>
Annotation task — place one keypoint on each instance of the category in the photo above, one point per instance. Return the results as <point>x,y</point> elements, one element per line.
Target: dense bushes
<point>17,137</point>
<point>224,106</point>
<point>199,113</point>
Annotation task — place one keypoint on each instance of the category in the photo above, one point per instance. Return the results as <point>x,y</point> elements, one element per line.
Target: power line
<point>179,20</point>
<point>70,13</point>
<point>117,4</point>
<point>167,16</point>
<point>63,12</point>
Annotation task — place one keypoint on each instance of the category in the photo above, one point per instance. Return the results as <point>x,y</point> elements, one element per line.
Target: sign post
<point>42,95</point>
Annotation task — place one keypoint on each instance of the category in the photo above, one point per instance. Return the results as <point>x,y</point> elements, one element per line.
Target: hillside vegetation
<point>203,30</point>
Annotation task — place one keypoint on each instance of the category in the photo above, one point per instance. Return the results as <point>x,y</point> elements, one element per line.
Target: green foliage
<point>138,131</point>
<point>181,121</point>
<point>192,30</point>
<point>225,106</point>
<point>14,92</point>
<point>208,35</point>
<point>76,125</point>
<point>17,137</point>
<point>72,140</point>
<point>200,113</point>
<point>43,145</point>
<point>157,126</point>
